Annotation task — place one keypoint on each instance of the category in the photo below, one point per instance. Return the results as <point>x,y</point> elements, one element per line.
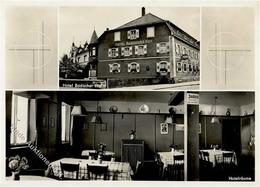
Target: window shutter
<point>168,46</point>
<point>138,68</point>
<point>110,68</point>
<point>109,52</point>
<point>117,52</point>
<point>168,67</point>
<point>157,47</point>
<point>158,67</point>
<point>130,50</point>
<point>128,68</point>
<point>119,68</point>
<point>128,35</point>
<point>136,50</point>
<point>145,49</point>
<point>137,33</point>
<point>122,51</point>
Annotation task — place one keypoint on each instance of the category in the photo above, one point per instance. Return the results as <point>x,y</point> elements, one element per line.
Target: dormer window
<point>133,34</point>
<point>150,32</point>
<point>117,36</point>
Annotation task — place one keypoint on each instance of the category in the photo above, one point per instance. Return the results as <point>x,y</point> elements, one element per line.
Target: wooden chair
<point>69,168</point>
<point>228,158</point>
<point>200,155</point>
<point>96,172</point>
<point>175,171</point>
<point>206,170</point>
<point>205,155</point>
<point>147,170</point>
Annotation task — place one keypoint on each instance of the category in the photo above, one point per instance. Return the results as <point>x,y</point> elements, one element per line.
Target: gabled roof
<point>94,38</point>
<point>144,20</point>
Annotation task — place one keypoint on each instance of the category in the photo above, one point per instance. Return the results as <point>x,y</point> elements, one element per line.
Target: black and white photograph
<point>130,48</point>
<point>82,135</point>
<point>129,93</point>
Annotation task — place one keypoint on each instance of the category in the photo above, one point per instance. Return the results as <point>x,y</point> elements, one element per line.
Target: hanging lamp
<point>214,119</point>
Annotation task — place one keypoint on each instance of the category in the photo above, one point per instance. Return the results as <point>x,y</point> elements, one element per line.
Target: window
<point>85,58</point>
<point>78,58</point>
<point>20,120</point>
<point>184,50</point>
<point>197,68</point>
<point>65,122</point>
<point>163,67</point>
<point>162,47</point>
<point>133,67</point>
<point>179,67</point>
<point>150,32</point>
<point>185,67</point>
<point>190,68</point>
<point>114,68</point>
<point>141,49</point>
<point>133,34</point>
<point>176,49</point>
<point>93,51</point>
<point>113,52</point>
<point>126,51</point>
<point>117,36</point>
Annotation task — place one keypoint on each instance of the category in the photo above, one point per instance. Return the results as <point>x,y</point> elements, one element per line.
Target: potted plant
<point>101,151</point>
<point>132,134</point>
<point>172,147</point>
<point>16,164</point>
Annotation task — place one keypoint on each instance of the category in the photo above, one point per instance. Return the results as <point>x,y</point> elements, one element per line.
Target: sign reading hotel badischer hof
<point>145,51</point>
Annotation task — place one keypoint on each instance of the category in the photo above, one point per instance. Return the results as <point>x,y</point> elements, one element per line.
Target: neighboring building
<point>147,48</point>
<point>86,56</point>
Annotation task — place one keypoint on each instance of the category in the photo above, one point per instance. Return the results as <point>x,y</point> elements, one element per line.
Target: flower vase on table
<point>16,164</point>
<point>15,176</point>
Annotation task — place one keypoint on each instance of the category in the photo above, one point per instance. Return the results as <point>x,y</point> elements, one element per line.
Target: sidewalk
<point>178,86</point>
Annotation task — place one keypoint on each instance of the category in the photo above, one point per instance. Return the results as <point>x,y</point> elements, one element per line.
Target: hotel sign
<point>82,83</point>
<point>140,42</point>
<point>192,99</point>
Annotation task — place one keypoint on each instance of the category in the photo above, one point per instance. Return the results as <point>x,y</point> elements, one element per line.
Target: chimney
<point>107,29</point>
<point>143,11</point>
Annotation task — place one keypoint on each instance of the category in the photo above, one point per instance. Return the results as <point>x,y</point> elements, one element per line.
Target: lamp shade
<point>78,110</point>
<point>214,120</point>
<point>168,120</point>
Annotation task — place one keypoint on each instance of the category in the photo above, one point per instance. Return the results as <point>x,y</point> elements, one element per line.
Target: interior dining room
<point>226,138</point>
<point>130,136</point>
<point>94,135</point>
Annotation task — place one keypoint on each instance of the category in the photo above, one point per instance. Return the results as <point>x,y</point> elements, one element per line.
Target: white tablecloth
<point>116,170</point>
<point>168,157</point>
<point>86,152</point>
<point>218,153</point>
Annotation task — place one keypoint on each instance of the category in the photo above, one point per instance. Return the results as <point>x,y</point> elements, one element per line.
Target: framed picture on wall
<point>164,128</point>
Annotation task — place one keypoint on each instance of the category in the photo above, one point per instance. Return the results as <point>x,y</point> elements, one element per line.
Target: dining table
<point>86,152</point>
<point>213,153</point>
<point>168,157</point>
<point>116,170</point>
